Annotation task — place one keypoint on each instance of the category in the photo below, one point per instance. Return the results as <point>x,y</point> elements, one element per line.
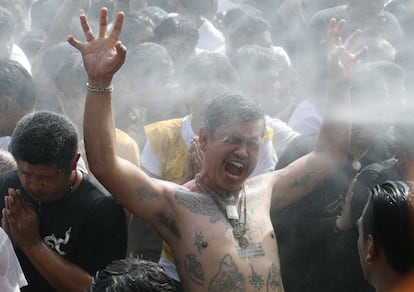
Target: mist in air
<point>183,53</point>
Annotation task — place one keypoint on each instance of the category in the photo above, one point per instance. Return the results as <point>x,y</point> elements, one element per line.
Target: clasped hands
<point>20,220</point>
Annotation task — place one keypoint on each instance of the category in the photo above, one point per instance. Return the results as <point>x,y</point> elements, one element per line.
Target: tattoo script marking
<point>254,250</point>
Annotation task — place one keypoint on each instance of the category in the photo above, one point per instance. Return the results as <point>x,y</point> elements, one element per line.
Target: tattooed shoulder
<point>199,204</point>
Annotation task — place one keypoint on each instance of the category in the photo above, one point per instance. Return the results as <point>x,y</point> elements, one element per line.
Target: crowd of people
<point>209,145</point>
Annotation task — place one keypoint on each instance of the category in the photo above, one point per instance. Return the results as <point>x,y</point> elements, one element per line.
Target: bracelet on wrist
<point>99,89</point>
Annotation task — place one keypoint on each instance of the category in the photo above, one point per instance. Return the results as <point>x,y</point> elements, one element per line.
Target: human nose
<point>34,185</point>
<point>241,150</point>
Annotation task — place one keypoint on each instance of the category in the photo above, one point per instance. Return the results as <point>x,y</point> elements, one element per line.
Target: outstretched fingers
<point>116,32</point>
<point>350,41</point>
<point>87,30</point>
<point>103,23</point>
<point>335,31</point>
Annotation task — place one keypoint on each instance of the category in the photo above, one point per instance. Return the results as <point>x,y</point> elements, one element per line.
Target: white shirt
<point>20,57</point>
<point>210,38</point>
<point>4,142</point>
<point>11,274</point>
<point>306,118</point>
<point>283,134</point>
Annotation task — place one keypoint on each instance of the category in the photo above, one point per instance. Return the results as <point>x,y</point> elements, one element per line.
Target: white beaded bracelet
<point>92,88</point>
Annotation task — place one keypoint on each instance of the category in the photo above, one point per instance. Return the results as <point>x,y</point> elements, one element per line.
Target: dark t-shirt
<point>313,257</point>
<point>87,227</point>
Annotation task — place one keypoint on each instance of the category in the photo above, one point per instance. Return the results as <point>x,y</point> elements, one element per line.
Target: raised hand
<point>341,59</point>
<point>102,56</point>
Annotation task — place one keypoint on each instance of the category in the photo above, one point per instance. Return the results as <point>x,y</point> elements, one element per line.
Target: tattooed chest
<point>229,273</point>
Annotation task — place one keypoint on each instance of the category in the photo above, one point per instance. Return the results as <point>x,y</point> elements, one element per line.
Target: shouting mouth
<point>235,168</point>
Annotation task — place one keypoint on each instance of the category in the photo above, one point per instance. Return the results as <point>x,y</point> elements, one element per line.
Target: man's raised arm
<point>306,173</point>
<point>103,56</point>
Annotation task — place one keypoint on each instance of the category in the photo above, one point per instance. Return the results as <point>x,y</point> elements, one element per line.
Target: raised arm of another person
<point>146,197</point>
<point>59,27</point>
<point>306,173</point>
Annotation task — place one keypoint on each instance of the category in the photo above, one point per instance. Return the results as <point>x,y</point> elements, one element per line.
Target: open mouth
<point>234,168</point>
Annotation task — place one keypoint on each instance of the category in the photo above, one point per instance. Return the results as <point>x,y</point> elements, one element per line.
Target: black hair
<point>54,57</point>
<point>155,13</point>
<point>231,107</point>
<point>255,63</point>
<point>134,27</point>
<point>176,26</point>
<point>46,138</point>
<point>197,7</point>
<point>17,83</point>
<point>242,23</point>
<point>71,68</point>
<point>209,67</point>
<point>388,218</point>
<point>132,275</point>
<point>155,64</point>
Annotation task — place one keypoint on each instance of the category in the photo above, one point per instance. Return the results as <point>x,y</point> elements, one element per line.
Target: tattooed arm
<point>306,173</point>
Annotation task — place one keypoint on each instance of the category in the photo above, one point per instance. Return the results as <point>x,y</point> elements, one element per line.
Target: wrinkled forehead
<point>243,129</point>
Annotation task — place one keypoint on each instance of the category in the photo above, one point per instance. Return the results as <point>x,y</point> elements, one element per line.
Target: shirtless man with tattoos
<point>217,225</point>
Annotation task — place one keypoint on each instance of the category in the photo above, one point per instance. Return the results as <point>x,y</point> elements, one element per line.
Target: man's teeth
<point>238,165</point>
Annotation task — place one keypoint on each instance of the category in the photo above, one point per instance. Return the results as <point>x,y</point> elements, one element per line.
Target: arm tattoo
<point>256,280</point>
<point>274,282</point>
<point>144,194</point>
<point>199,204</point>
<point>194,269</point>
<point>228,278</point>
<point>302,181</point>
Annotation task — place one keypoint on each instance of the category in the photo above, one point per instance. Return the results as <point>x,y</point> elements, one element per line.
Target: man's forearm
<point>59,272</point>
<point>99,132</point>
<point>334,136</point>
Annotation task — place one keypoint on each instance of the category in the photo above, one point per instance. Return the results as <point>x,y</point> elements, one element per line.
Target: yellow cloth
<point>126,147</point>
<point>168,146</point>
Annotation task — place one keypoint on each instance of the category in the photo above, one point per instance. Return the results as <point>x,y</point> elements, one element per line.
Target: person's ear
<point>371,250</point>
<point>203,139</point>
<point>75,162</point>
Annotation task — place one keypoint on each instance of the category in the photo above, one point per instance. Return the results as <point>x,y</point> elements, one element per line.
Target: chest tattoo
<point>199,242</point>
<point>199,204</point>
<point>254,250</point>
<point>274,283</point>
<point>228,278</point>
